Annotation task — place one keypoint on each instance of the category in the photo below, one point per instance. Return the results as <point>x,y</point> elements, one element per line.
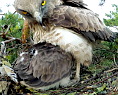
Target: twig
<point>7,29</point>
<point>106,78</point>
<point>111,70</point>
<point>94,77</point>
<point>3,49</point>
<point>2,14</point>
<point>98,81</point>
<point>10,39</point>
<point>75,89</point>
<point>114,59</point>
<point>14,12</point>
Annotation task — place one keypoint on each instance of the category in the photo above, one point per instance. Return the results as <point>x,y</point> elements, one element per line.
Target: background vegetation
<point>10,26</point>
<point>98,79</point>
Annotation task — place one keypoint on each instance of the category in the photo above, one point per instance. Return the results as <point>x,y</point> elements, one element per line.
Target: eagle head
<point>35,10</point>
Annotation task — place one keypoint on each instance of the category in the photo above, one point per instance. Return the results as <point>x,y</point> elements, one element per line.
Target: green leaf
<point>101,88</point>
<point>74,93</point>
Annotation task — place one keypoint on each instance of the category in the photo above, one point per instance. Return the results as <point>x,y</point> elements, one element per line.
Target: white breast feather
<point>69,41</point>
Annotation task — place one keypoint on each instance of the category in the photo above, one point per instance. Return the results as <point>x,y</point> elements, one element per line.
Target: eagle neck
<point>37,32</point>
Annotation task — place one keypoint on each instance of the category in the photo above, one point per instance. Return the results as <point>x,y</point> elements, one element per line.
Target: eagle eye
<point>43,3</point>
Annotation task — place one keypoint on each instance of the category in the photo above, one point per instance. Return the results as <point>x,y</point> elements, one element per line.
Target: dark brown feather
<point>49,65</point>
<point>75,3</point>
<point>83,20</point>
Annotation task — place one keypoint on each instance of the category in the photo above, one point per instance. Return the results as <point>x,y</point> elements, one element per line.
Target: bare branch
<point>2,14</point>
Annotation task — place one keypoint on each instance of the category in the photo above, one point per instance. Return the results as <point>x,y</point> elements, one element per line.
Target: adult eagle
<point>66,23</point>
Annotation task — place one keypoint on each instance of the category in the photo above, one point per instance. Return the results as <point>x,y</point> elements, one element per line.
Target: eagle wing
<point>75,2</point>
<point>82,21</point>
<point>43,65</point>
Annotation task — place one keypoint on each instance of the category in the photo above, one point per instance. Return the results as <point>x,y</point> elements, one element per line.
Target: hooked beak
<point>38,16</point>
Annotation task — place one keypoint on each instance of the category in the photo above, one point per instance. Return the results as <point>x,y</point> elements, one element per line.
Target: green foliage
<point>111,48</point>
<point>14,23</point>
<point>104,57</point>
<point>113,17</point>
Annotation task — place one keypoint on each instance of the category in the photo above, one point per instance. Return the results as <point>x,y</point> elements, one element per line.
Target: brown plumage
<point>71,14</point>
<point>82,21</point>
<point>44,66</point>
<point>25,31</point>
<point>66,23</point>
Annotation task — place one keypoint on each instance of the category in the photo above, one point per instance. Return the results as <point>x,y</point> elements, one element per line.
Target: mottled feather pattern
<point>67,24</point>
<point>80,20</point>
<point>71,42</point>
<point>49,65</point>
